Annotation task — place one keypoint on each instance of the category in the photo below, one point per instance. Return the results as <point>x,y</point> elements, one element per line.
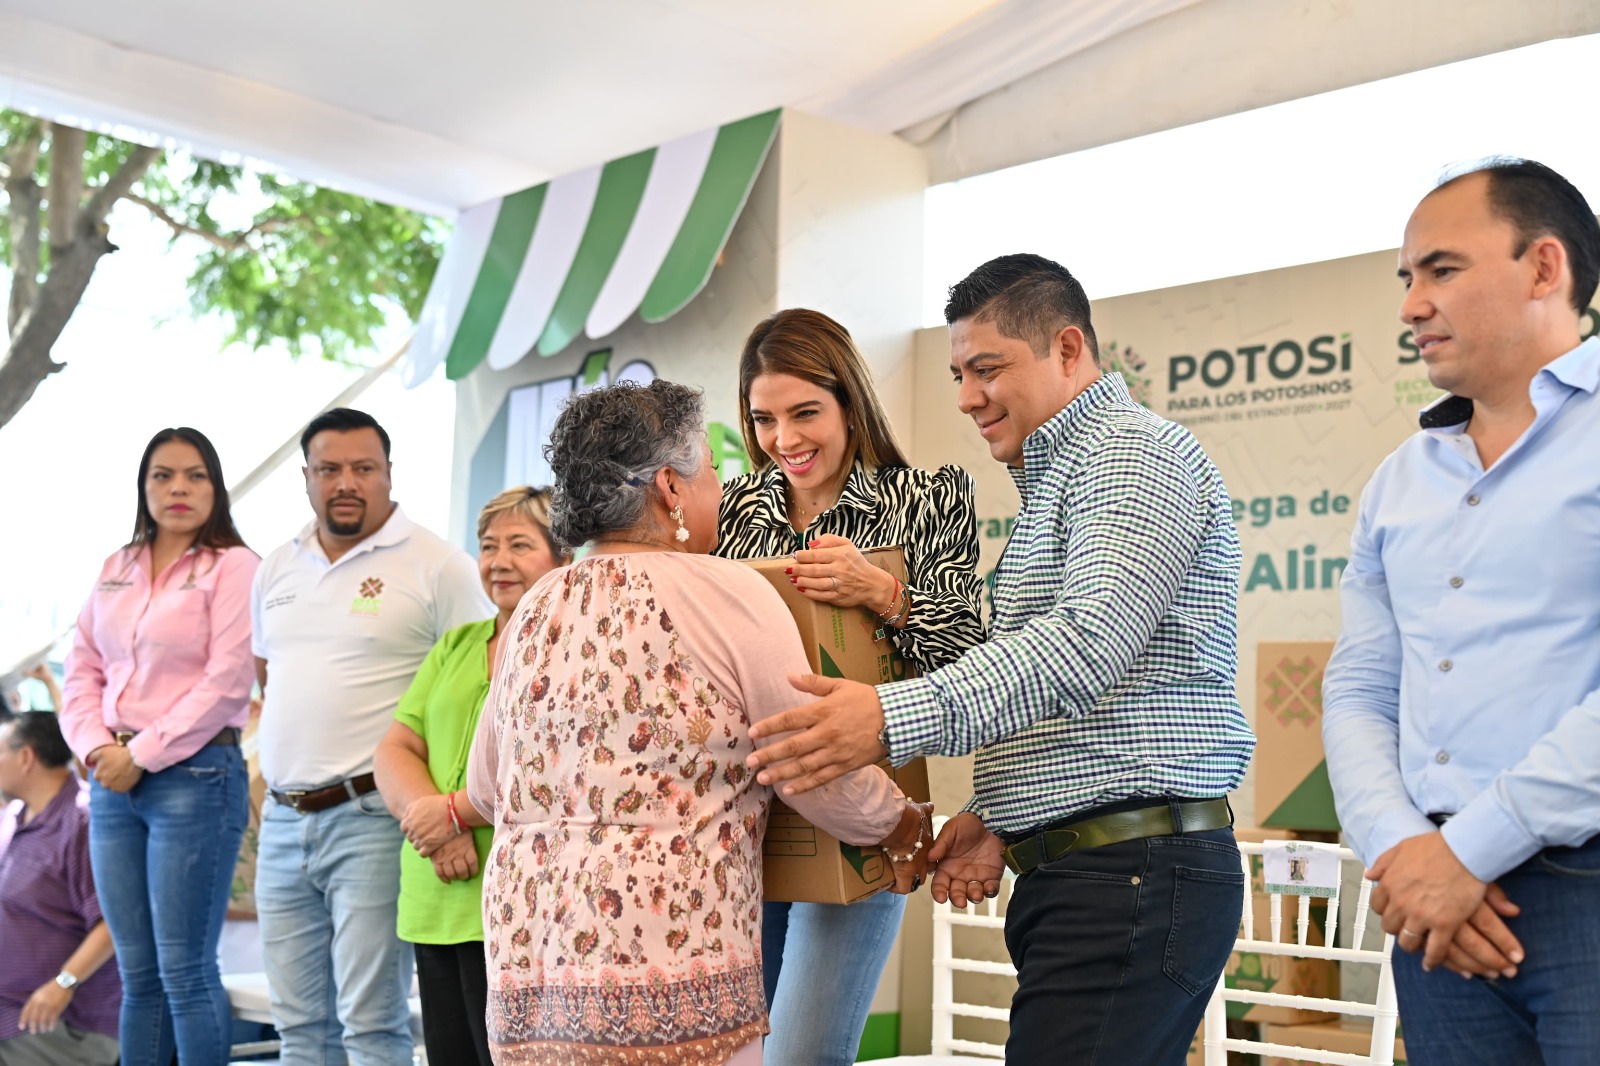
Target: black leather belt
<point>310,801</point>
<point>228,735</point>
<point>1160,819</point>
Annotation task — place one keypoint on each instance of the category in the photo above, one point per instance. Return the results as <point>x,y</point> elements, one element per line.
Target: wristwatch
<point>883,738</point>
<point>66,979</point>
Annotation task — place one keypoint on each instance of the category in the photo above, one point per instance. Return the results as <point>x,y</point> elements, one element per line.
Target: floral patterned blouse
<point>622,894</point>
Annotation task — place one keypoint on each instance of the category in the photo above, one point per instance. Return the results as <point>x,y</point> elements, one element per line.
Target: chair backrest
<point>1382,1011</point>
<point>991,915</point>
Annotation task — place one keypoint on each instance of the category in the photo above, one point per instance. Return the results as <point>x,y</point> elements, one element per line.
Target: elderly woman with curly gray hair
<point>622,893</point>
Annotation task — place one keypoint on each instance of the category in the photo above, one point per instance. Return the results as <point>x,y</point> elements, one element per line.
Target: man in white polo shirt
<point>343,616</point>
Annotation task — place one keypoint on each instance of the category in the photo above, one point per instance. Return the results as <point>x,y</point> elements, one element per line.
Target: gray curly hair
<point>605,450</point>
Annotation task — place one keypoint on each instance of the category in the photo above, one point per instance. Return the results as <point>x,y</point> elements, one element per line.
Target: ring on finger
<point>836,584</point>
<point>1407,932</point>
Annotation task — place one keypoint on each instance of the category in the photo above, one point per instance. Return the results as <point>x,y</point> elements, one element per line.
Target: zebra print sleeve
<point>941,561</point>
<point>931,515</point>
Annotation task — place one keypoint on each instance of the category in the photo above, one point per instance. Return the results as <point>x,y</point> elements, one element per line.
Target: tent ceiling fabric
<point>1221,57</point>
<point>443,108</point>
<point>582,253</point>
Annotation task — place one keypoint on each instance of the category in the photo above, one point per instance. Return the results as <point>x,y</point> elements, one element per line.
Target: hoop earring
<point>682,533</point>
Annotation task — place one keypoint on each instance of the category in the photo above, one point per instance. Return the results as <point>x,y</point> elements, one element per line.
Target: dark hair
<point>219,531</point>
<point>1538,202</point>
<point>1027,297</point>
<point>341,420</point>
<point>606,448</point>
<point>813,347</point>
<point>41,731</point>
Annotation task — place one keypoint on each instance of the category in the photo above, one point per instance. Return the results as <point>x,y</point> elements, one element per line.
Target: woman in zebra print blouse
<point>829,479</point>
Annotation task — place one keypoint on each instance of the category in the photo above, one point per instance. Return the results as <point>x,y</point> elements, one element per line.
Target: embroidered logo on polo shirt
<point>370,597</point>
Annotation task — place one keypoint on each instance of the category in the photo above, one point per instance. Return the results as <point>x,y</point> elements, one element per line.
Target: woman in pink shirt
<point>158,688</point>
<point>622,893</point>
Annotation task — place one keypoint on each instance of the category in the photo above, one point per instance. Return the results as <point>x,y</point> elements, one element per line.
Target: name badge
<point>1301,868</point>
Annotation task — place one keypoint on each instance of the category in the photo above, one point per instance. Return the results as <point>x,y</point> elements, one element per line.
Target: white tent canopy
<point>446,107</point>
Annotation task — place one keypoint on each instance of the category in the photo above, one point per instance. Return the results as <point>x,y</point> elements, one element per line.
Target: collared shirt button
<point>1445,665</point>
<point>1456,582</point>
<point>1442,758</point>
<point>1472,501</point>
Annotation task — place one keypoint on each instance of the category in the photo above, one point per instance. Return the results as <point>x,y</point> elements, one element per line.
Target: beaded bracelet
<point>897,604</point>
<point>922,817</point>
<point>455,819</point>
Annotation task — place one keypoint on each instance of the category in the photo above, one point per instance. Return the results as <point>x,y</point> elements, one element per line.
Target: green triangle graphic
<point>829,667</point>
<point>857,858</point>
<point>1309,806</point>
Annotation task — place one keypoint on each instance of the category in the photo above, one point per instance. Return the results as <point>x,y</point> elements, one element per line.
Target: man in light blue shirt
<point>1462,704</point>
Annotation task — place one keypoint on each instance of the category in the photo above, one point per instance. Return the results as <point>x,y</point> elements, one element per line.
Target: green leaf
<point>279,260</point>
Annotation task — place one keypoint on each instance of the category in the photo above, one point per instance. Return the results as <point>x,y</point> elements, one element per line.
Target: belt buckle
<point>1009,857</point>
<point>1044,847</point>
<point>294,797</point>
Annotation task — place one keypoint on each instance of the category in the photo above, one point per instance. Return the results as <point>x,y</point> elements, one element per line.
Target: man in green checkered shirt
<point>1102,708</point>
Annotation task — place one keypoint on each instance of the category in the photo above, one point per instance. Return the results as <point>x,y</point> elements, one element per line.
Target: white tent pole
<point>255,477</point>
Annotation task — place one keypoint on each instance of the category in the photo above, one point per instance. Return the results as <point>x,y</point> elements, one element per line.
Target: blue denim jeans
<point>1547,1015</point>
<point>821,963</point>
<point>163,856</point>
<point>326,891</point>
<point>1117,949</point>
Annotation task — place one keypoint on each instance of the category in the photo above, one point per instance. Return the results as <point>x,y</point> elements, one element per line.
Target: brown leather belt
<point>310,801</point>
<point>228,735</point>
<point>1057,840</point>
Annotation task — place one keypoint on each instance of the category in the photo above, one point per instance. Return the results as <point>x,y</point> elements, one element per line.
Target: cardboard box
<point>1352,1036</point>
<point>1277,973</point>
<point>842,642</point>
<point>1292,789</point>
<point>801,863</point>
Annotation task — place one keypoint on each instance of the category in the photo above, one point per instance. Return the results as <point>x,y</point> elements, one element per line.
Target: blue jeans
<point>1117,949</point>
<point>1544,1016</point>
<point>327,885</point>
<point>821,963</point>
<point>163,856</point>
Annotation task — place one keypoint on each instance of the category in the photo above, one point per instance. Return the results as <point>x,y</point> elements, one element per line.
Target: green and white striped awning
<point>582,253</point>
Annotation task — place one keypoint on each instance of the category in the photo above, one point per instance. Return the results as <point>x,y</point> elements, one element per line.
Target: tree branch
<point>119,184</point>
<point>21,159</point>
<point>181,228</point>
<point>65,191</point>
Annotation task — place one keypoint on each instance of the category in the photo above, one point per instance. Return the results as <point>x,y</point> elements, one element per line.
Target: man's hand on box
<point>967,857</point>
<point>836,734</point>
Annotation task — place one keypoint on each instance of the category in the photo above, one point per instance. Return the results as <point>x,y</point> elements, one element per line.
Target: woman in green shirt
<point>421,770</point>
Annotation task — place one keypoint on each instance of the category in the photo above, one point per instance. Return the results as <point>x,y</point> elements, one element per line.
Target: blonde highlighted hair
<point>527,503</point>
<point>813,347</point>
